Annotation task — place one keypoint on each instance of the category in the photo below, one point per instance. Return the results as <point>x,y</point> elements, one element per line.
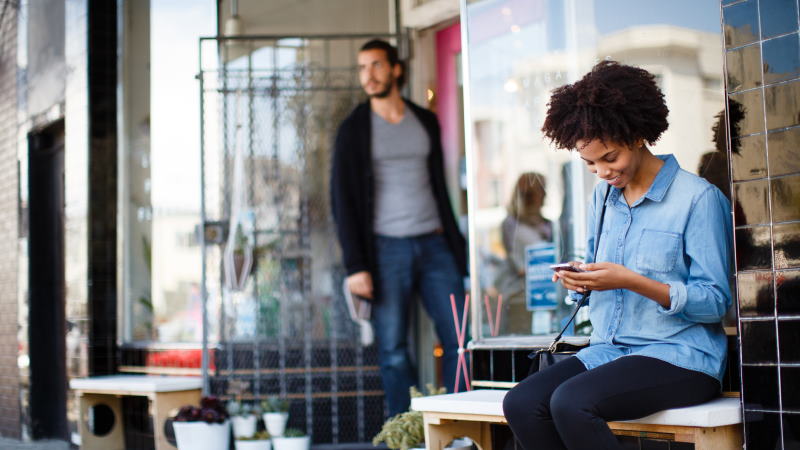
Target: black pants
<point>567,406</point>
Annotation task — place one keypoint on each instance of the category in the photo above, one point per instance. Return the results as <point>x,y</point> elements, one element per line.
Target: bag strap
<point>585,296</point>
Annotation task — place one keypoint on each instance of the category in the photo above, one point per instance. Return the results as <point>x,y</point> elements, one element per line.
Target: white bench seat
<point>712,425</point>
<point>165,394</point>
<point>135,383</point>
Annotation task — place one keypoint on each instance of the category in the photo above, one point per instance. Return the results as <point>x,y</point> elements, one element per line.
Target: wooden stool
<point>165,395</point>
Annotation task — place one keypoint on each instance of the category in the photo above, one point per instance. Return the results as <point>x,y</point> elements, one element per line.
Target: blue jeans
<point>421,265</point>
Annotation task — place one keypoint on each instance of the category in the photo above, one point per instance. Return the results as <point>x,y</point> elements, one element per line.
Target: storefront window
<point>528,200</point>
<point>159,169</point>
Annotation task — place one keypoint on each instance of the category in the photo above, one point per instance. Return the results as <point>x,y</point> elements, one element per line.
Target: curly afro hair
<point>613,102</point>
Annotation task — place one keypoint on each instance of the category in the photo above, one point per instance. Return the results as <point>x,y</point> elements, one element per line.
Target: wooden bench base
<point>452,416</point>
<point>714,438</point>
<point>442,428</point>
<point>165,395</point>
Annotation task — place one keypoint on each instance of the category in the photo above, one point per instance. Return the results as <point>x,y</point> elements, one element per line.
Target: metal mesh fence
<point>280,326</point>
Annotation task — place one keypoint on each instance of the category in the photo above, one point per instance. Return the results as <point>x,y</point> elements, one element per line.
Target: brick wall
<point>9,212</point>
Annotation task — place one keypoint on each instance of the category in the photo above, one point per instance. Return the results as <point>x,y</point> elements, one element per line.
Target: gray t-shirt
<point>404,203</point>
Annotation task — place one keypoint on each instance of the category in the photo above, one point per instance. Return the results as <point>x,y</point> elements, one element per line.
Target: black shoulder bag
<point>559,351</point>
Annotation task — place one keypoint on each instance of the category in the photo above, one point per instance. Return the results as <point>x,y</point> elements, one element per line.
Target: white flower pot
<point>291,443</point>
<point>244,426</point>
<point>202,435</point>
<point>275,422</point>
<point>262,444</point>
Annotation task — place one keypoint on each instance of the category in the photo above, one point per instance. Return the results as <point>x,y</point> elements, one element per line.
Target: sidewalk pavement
<point>13,444</point>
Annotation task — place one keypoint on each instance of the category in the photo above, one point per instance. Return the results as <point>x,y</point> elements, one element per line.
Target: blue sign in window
<point>540,291</point>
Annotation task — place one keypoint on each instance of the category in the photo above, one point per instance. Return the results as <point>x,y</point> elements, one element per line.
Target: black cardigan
<point>352,190</point>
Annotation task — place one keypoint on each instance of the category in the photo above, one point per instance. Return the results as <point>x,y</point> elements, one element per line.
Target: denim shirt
<point>678,233</point>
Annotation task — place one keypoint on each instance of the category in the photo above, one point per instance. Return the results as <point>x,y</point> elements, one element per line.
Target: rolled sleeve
<point>677,298</point>
<point>705,295</point>
<point>575,296</point>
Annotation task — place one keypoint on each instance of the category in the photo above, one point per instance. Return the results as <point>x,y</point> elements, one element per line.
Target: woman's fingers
<point>567,283</point>
<point>579,278</point>
<point>594,266</point>
<point>578,281</point>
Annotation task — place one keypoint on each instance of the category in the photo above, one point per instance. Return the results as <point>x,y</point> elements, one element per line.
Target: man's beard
<point>387,89</point>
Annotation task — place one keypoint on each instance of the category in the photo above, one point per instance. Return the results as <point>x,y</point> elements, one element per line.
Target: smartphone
<point>565,266</point>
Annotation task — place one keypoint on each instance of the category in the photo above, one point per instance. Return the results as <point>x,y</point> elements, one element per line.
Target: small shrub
<point>407,429</point>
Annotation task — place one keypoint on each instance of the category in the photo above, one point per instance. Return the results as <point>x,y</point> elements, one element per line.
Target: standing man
<point>395,224</point>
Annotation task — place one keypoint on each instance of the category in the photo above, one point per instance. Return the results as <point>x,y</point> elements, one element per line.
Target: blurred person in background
<point>523,226</point>
<point>395,224</point>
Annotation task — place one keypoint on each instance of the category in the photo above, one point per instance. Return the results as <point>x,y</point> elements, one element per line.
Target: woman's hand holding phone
<point>599,276</point>
<point>558,269</point>
<point>571,266</point>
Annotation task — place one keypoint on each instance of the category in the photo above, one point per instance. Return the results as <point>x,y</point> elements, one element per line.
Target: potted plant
<point>275,413</point>
<point>258,441</point>
<point>406,431</point>
<point>244,417</point>
<point>292,439</point>
<point>202,428</point>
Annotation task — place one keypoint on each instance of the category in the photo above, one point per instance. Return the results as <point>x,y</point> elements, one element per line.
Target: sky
<point>176,26</point>
<point>614,15</point>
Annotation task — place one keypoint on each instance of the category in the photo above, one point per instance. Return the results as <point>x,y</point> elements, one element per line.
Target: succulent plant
<point>234,408</point>
<point>259,436</point>
<point>239,408</point>
<point>209,411</point>
<point>274,404</point>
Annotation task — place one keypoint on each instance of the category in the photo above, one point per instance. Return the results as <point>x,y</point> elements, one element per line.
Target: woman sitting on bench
<point>660,286</point>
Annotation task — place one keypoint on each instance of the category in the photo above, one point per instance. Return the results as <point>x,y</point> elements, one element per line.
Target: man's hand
<point>360,283</point>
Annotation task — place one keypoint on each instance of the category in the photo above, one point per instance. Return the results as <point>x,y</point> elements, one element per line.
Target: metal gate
<point>275,322</point>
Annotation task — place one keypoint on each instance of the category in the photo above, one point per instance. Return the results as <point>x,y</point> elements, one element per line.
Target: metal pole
<point>256,390</point>
<point>472,205</point>
<point>203,280</point>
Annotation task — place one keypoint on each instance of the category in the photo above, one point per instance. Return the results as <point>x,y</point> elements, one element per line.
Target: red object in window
<point>184,358</point>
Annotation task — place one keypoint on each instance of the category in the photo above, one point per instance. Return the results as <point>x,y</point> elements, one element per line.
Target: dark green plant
<point>293,433</point>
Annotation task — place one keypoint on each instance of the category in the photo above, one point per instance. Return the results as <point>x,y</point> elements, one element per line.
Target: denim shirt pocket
<point>658,250</point>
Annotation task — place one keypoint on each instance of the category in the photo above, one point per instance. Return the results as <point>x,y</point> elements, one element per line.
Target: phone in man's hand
<point>566,266</point>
